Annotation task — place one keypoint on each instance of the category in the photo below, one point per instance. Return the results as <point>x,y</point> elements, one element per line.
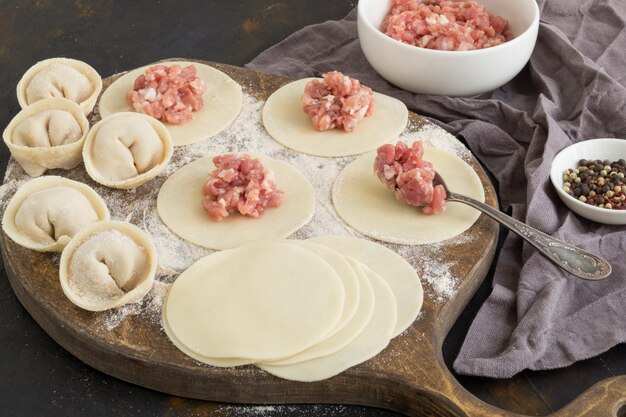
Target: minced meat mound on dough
<point>240,184</point>
<point>447,25</point>
<point>337,101</point>
<point>402,170</point>
<point>168,93</point>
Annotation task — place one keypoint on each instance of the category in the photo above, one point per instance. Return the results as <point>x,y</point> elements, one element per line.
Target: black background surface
<point>37,377</point>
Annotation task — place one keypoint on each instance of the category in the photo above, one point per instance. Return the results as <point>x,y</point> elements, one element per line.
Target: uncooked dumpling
<point>47,212</point>
<point>60,78</point>
<point>107,273</point>
<point>107,265</point>
<point>46,135</point>
<point>126,149</point>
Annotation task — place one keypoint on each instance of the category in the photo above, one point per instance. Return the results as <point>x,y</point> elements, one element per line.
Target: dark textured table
<point>37,377</point>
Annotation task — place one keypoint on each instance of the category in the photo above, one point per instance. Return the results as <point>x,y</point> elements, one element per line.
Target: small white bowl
<point>605,148</point>
<point>453,73</point>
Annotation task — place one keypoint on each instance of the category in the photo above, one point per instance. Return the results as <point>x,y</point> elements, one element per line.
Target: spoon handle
<point>574,260</point>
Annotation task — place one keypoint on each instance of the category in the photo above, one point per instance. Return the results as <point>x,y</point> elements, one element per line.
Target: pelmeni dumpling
<point>126,149</point>
<point>60,78</point>
<point>45,213</point>
<point>47,135</point>
<point>106,265</point>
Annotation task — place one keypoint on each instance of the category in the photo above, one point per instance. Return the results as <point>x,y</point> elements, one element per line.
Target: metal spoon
<point>574,260</point>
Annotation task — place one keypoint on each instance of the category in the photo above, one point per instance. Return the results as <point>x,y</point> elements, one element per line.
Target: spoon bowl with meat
<point>401,168</point>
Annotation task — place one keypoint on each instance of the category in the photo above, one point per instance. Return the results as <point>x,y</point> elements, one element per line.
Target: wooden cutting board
<point>409,376</point>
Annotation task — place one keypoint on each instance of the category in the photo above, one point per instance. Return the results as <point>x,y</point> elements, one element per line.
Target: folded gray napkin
<point>574,88</point>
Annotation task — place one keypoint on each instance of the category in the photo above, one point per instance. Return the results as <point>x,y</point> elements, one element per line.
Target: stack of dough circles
<point>350,330</point>
<point>46,212</point>
<point>369,342</point>
<point>222,102</point>
<point>179,205</point>
<point>106,265</point>
<point>126,150</point>
<point>46,135</point>
<point>364,203</point>
<point>225,312</point>
<point>61,78</point>
<point>262,301</point>
<point>398,273</point>
<point>289,125</point>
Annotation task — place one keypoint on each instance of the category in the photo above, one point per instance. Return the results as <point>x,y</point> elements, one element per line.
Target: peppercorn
<point>585,189</point>
<point>600,183</point>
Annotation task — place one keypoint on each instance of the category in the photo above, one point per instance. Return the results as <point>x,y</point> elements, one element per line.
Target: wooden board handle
<point>606,398</point>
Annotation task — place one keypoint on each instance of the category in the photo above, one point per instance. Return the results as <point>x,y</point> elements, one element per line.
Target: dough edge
<point>409,302</point>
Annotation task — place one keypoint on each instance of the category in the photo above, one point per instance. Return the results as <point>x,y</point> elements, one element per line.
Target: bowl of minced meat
<point>448,47</point>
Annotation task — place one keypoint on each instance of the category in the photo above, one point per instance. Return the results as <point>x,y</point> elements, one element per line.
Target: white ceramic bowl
<point>453,73</point>
<point>611,149</point>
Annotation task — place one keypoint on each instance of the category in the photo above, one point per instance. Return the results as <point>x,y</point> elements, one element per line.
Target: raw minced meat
<point>448,25</point>
<point>402,170</point>
<point>337,102</point>
<point>240,184</point>
<point>168,93</point>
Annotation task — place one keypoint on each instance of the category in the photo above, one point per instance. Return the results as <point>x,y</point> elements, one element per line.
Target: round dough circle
<point>397,272</point>
<point>349,278</point>
<point>179,205</point>
<point>347,333</point>
<point>371,341</point>
<point>217,362</point>
<point>278,302</point>
<point>87,70</point>
<point>223,100</point>
<point>119,119</point>
<point>289,125</point>
<point>140,238</point>
<point>356,313</point>
<point>37,160</point>
<point>364,202</point>
<point>39,184</point>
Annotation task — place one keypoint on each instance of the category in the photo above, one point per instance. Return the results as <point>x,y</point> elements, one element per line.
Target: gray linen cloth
<point>573,89</point>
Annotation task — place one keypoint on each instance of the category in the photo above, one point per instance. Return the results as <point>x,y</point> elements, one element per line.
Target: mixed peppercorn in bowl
<point>589,177</point>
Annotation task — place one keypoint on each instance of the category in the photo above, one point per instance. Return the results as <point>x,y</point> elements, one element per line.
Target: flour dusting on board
<point>247,134</point>
<point>302,410</point>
